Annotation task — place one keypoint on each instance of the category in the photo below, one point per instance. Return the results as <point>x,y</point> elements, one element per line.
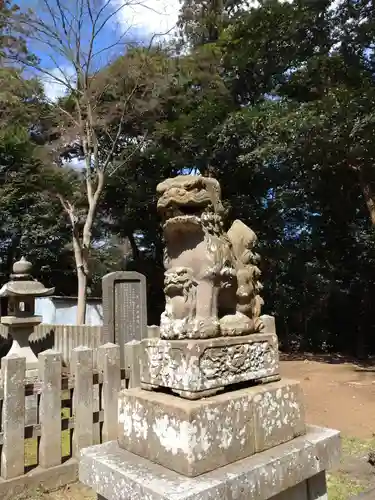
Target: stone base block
<point>198,368</point>
<point>116,474</point>
<point>314,488</point>
<point>193,437</point>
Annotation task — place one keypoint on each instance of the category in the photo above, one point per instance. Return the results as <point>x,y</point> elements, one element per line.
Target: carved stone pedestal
<point>194,437</point>
<point>199,368</point>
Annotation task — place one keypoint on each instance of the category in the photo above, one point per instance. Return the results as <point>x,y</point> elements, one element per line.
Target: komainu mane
<point>212,278</point>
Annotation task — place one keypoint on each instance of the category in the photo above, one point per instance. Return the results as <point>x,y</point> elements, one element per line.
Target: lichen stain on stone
<point>133,420</point>
<point>268,412</point>
<point>186,437</point>
<point>242,436</point>
<point>226,438</point>
<point>173,436</point>
<point>276,410</point>
<point>194,439</point>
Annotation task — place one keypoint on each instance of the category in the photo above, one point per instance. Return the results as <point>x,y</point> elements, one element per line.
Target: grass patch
<point>341,485</point>
<point>357,447</point>
<point>31,445</point>
<point>31,495</point>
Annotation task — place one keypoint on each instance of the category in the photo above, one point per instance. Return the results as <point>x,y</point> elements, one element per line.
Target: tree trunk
<point>368,195</point>
<point>82,267</point>
<point>360,348</point>
<point>82,247</point>
<point>11,254</point>
<point>82,296</point>
<point>134,247</point>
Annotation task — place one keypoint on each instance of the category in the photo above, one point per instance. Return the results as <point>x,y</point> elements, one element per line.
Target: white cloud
<point>53,89</point>
<point>149,16</point>
<point>335,4</point>
<point>75,164</point>
<point>57,82</point>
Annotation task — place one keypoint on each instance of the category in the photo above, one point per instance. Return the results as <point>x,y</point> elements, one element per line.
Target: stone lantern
<point>21,291</point>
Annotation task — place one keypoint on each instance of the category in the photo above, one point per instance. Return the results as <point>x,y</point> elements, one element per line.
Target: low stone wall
<point>64,338</point>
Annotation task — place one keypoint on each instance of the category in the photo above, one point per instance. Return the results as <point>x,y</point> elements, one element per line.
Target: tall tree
<point>315,62</point>
<point>75,37</point>
<point>203,21</point>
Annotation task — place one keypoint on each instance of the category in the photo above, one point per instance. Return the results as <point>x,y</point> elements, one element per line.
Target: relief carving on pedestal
<point>237,359</point>
<point>201,365</point>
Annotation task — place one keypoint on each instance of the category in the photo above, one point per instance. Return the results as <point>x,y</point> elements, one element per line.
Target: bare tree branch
<point>129,157</point>
<point>71,33</point>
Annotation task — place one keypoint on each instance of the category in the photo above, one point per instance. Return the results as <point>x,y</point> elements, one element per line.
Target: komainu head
<point>183,200</point>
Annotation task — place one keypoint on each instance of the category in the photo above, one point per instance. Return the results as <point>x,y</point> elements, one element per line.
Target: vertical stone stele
<point>212,418</point>
<point>124,308</point>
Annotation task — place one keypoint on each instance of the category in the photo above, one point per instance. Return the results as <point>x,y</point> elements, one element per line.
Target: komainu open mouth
<point>174,211</point>
<point>183,200</point>
<point>181,221</point>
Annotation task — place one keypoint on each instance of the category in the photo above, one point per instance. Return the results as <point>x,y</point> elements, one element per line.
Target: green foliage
<point>315,149</point>
<point>31,220</point>
<point>11,41</point>
<point>202,21</point>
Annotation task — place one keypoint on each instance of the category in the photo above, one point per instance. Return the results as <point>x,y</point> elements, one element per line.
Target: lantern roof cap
<point>22,283</point>
<point>22,267</point>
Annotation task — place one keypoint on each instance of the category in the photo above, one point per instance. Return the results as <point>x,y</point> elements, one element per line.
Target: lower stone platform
<point>195,368</point>
<point>194,437</point>
<point>291,471</point>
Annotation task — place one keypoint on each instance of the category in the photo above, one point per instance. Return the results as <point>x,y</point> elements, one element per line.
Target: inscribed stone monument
<point>124,307</point>
<point>213,418</point>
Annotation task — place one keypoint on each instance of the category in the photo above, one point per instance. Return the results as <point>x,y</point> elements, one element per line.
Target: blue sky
<point>131,21</point>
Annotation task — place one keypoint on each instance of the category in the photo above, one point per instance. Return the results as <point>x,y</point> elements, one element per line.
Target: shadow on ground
<point>332,359</point>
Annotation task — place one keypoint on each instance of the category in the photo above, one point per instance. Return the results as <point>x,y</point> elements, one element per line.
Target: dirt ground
<point>338,394</point>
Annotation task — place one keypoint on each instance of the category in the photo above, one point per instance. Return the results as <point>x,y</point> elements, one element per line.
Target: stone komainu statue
<point>212,278</point>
